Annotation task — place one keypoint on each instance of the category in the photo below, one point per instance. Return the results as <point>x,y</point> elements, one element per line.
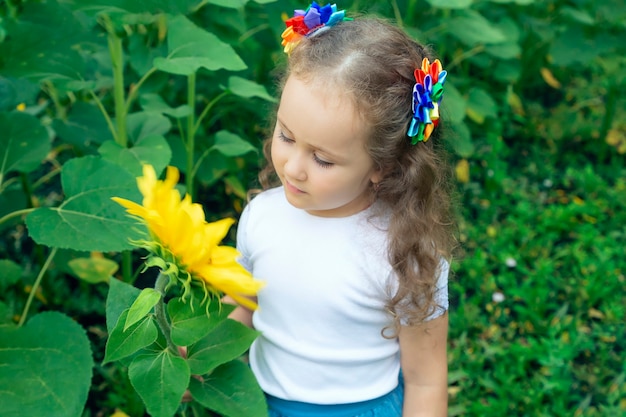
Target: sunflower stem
<point>35,286</point>
<point>191,134</point>
<point>159,311</point>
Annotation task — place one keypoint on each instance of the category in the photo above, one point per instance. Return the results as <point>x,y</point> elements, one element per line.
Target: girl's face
<point>318,151</point>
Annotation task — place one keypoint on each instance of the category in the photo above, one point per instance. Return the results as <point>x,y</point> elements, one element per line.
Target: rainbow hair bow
<point>306,22</point>
<point>427,94</point>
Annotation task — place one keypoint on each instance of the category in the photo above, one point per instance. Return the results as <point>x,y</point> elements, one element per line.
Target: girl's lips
<point>293,189</point>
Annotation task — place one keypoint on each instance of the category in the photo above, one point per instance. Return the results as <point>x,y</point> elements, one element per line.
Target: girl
<point>352,230</point>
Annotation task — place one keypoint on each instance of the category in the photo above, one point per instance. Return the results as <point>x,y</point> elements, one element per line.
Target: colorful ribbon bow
<point>306,22</point>
<point>427,94</point>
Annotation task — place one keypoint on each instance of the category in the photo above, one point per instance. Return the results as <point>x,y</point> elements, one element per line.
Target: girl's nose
<point>295,166</point>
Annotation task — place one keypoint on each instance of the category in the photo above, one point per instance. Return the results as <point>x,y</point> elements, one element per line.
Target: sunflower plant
<point>183,353</point>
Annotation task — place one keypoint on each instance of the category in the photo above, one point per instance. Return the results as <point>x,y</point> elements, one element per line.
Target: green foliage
<point>46,367</point>
<point>90,90</point>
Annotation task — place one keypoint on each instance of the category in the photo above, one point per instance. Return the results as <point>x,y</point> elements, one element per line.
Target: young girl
<point>352,231</point>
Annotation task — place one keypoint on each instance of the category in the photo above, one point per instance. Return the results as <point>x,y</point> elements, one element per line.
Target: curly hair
<point>373,62</point>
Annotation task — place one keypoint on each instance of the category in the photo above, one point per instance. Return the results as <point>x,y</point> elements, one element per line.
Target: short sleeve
<point>441,302</point>
<point>441,293</point>
<point>242,240</point>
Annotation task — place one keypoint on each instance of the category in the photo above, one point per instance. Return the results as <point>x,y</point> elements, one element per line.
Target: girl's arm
<point>425,368</point>
<point>240,313</point>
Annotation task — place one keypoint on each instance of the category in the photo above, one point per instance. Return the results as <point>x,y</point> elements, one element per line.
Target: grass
<point>538,297</point>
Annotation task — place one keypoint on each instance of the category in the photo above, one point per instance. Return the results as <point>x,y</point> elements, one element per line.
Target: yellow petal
<point>216,231</point>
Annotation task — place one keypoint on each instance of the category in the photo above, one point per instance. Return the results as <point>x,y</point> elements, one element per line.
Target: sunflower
<point>187,245</point>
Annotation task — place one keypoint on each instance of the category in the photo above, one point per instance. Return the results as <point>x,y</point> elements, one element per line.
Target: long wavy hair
<point>373,62</point>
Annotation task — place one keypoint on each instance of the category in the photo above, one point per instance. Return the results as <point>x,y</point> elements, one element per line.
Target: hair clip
<point>309,21</point>
<point>427,94</point>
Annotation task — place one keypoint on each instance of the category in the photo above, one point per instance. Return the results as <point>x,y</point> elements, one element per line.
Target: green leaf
<point>191,48</point>
<point>120,297</point>
<point>24,143</point>
<point>231,145</point>
<point>233,4</point>
<point>248,89</point>
<point>46,367</point>
<point>144,124</point>
<point>41,43</point>
<point>160,379</point>
<point>93,270</point>
<point>88,220</point>
<point>450,4</point>
<point>138,7</point>
<point>462,140</point>
<point>507,50</point>
<point>226,342</point>
<point>579,16</point>
<point>155,103</point>
<point>153,150</point>
<point>481,105</point>
<point>231,390</point>
<point>191,322</point>
<point>574,48</point>
<point>472,28</point>
<point>123,343</point>
<point>453,105</point>
<point>147,299</point>
<point>84,126</point>
<point>10,273</point>
<point>237,187</point>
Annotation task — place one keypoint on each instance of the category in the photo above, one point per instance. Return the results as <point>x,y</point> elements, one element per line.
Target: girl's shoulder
<point>270,197</point>
<point>266,203</point>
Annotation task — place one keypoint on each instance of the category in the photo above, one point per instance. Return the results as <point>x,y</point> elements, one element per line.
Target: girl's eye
<point>321,162</point>
<point>284,138</point>
<point>318,161</point>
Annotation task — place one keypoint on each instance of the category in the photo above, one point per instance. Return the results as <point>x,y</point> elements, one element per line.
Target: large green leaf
<point>229,144</point>
<point>191,321</point>
<point>191,48</point>
<point>472,28</point>
<point>248,89</point>
<point>228,341</point>
<point>451,4</point>
<point>231,390</point>
<point>453,105</point>
<point>481,105</point>
<point>84,127</point>
<point>462,140</point>
<point>160,379</point>
<point>123,343</point>
<point>88,220</point>
<point>15,91</point>
<point>120,297</point>
<point>144,124</point>
<point>574,48</point>
<point>10,273</point>
<point>45,367</point>
<point>234,4</point>
<point>40,44</point>
<point>24,143</point>
<point>152,103</point>
<point>153,150</point>
<point>139,7</point>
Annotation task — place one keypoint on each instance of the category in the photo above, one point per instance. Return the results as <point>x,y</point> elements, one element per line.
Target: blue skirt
<point>389,405</point>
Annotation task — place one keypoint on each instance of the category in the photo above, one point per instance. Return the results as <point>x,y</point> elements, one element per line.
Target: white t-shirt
<point>322,310</point>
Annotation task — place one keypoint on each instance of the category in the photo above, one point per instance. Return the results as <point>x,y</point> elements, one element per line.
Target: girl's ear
<point>376,176</point>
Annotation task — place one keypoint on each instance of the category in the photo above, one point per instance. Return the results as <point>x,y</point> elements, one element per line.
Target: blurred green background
<point>536,128</point>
